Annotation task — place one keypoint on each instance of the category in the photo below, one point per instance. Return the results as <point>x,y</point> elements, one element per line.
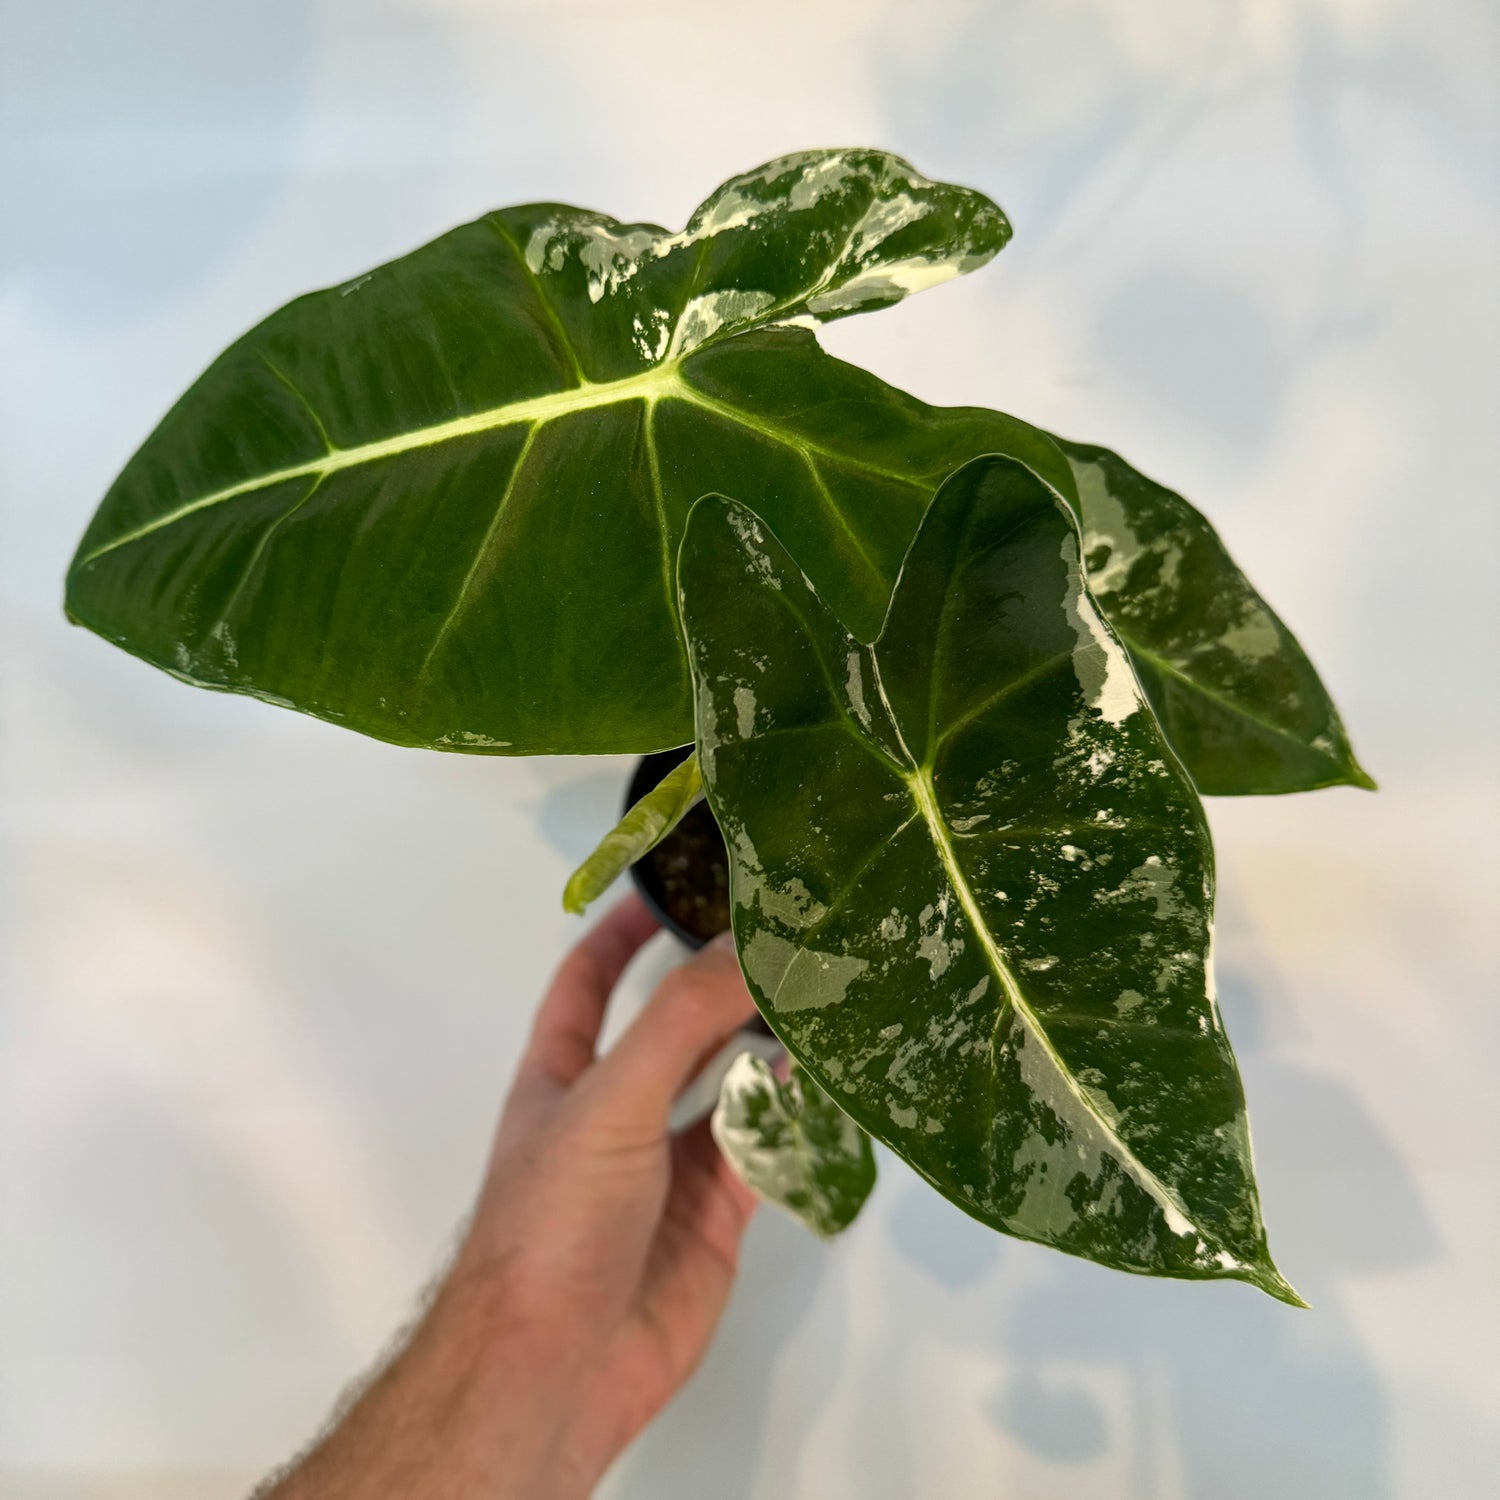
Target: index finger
<point>694,1010</point>
<point>566,1029</point>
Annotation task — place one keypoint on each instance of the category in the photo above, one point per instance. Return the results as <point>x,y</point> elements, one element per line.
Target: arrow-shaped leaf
<point>440,503</point>
<point>972,886</point>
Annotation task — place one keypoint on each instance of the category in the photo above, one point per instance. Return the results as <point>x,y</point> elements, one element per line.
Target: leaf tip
<point>1361,778</point>
<point>1274,1284</point>
<point>575,897</point>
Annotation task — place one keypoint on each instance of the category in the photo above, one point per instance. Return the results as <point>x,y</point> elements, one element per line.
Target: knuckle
<point>580,968</point>
<point>602,1144</point>
<point>689,995</point>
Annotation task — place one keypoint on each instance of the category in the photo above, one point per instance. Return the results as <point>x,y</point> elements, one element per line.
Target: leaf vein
<point>881,849</point>
<point>1001,693</point>
<point>462,599</point>
<point>302,400</point>
<point>843,520</point>
<point>257,553</point>
<point>548,306</point>
<point>1171,669</point>
<point>780,433</point>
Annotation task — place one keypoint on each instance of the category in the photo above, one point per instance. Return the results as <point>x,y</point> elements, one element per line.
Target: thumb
<point>692,1013</point>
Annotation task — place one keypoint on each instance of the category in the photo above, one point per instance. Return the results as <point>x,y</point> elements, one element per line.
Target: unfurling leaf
<point>641,829</point>
<point>972,886</point>
<point>1236,696</point>
<point>793,1145</point>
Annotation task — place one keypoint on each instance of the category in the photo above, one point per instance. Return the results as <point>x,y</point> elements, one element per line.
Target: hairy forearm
<point>593,1272</point>
<point>467,1408</point>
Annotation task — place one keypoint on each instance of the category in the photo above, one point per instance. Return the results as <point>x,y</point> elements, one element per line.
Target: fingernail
<point>723,939</point>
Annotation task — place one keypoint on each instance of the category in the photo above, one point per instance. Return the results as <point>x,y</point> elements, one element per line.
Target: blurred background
<point>264,981</point>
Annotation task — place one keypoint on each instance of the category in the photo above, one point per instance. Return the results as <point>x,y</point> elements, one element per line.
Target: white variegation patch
<point>842,272</point>
<point>1104,671</point>
<point>713,313</point>
<point>813,980</point>
<point>793,1145</point>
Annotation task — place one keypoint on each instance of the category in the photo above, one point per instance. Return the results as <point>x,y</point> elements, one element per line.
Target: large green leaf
<point>1237,697</point>
<point>793,1145</point>
<point>972,886</point>
<point>440,502</point>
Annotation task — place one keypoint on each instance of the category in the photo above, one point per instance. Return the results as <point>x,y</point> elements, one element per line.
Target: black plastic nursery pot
<point>685,878</point>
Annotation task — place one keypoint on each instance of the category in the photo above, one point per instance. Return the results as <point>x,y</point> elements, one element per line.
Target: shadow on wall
<point>1069,113</point>
<point>720,1437</point>
<point>147,143</point>
<point>1043,101</point>
<point>1252,1398</point>
<point>1196,349</point>
<point>1337,77</point>
<point>1030,99</point>
<point>145,146</point>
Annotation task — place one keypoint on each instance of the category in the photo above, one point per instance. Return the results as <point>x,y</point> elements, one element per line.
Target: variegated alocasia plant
<point>955,685</point>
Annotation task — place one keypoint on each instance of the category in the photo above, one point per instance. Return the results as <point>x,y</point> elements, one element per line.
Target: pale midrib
<point>659,383</point>
<point>652,384</point>
<point>659,500</point>
<point>924,794</point>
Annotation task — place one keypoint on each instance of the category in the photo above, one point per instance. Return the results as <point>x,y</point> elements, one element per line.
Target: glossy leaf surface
<point>972,886</point>
<point>793,1145</point>
<point>641,829</point>
<point>440,502</point>
<point>1237,697</point>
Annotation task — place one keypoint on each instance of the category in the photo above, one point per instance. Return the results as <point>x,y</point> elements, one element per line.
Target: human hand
<point>596,1266</point>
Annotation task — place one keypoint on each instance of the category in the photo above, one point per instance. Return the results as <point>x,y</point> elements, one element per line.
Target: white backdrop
<point>264,981</point>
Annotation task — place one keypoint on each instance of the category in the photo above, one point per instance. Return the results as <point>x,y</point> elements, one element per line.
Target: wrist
<point>511,1403</point>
